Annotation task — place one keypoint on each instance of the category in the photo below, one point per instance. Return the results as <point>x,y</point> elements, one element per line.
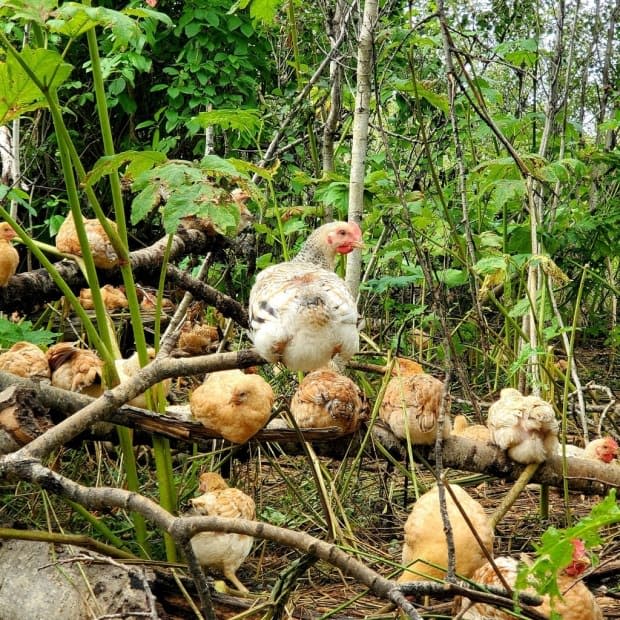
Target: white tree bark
<point>360,135</point>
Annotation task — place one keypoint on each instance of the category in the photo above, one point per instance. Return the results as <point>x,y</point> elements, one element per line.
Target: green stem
<point>99,525</point>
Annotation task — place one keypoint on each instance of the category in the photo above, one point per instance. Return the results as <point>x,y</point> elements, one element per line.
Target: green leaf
<point>215,164</point>
<point>147,13</point>
<point>73,19</point>
<point>139,162</point>
<point>490,265</point>
<point>11,332</point>
<point>246,122</point>
<point>18,93</point>
<point>452,277</point>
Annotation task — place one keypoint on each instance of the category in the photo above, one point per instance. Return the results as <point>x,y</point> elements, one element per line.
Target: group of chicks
<point>425,557</point>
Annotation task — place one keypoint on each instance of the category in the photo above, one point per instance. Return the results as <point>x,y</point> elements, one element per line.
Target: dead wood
<point>29,290</point>
<point>22,417</point>
<point>584,476</point>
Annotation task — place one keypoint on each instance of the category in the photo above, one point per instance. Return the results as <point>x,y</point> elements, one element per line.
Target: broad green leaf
<point>139,162</point>
<point>144,203</point>
<point>73,19</point>
<point>146,13</point>
<point>452,277</point>
<point>218,165</point>
<point>436,100</point>
<point>243,166</point>
<point>246,122</point>
<point>28,11</point>
<point>490,264</point>
<point>199,201</point>
<point>18,93</point>
<point>11,332</point>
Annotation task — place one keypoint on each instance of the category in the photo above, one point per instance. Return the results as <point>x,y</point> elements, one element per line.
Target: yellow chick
<point>233,404</point>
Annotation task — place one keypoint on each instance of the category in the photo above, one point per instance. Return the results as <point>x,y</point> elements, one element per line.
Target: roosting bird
<point>219,550</point>
<point>575,603</point>
<point>326,398</point>
<point>25,360</point>
<point>425,541</point>
<point>525,426</point>
<point>604,449</point>
<point>301,313</point>
<point>411,405</point>
<point>76,370</point>
<point>462,428</point>
<point>127,369</point>
<point>113,298</point>
<point>9,257</point>
<point>99,243</point>
<point>232,403</point>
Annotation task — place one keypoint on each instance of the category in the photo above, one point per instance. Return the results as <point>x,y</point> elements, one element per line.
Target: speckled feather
<point>326,398</point>
<point>301,313</point>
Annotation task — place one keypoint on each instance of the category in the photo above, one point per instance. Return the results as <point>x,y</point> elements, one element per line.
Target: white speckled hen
<point>301,312</point>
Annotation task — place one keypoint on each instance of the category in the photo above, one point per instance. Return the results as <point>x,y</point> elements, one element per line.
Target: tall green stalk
<point>161,446</point>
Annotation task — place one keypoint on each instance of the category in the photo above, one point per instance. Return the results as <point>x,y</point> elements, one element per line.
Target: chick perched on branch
<point>25,360</point>
<point>127,369</point>
<point>575,603</point>
<point>219,550</point>
<point>99,243</point>
<point>233,404</point>
<point>604,449</point>
<point>9,257</point>
<point>463,428</point>
<point>76,370</point>
<point>425,540</point>
<point>525,426</point>
<point>326,398</point>
<point>113,298</point>
<point>412,403</point>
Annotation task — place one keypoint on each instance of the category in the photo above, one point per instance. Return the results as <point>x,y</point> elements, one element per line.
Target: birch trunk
<point>360,136</point>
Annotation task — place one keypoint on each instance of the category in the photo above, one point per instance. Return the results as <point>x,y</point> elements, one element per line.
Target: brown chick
<point>219,550</point>
<point>326,398</point>
<point>411,405</point>
<point>576,602</point>
<point>463,428</point>
<point>126,370</point>
<point>232,403</point>
<point>76,370</point>
<point>425,541</point>
<point>101,248</point>
<point>525,426</point>
<point>113,298</point>
<point>9,257</point>
<point>197,339</point>
<point>25,360</point>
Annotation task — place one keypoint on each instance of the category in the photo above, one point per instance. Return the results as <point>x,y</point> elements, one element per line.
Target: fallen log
<point>583,475</point>
<point>32,289</point>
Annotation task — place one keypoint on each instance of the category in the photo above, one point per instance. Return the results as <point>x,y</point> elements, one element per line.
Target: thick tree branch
<point>31,289</point>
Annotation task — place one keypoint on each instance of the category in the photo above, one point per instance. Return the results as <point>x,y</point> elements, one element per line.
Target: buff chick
<point>425,541</point>
<point>524,426</point>
<point>222,551</point>
<point>9,257</point>
<point>101,248</point>
<point>576,602</point>
<point>127,369</point>
<point>76,370</point>
<point>462,428</point>
<point>25,360</point>
<point>233,404</point>
<point>113,298</point>
<point>197,339</point>
<point>326,398</point>
<point>411,404</point>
